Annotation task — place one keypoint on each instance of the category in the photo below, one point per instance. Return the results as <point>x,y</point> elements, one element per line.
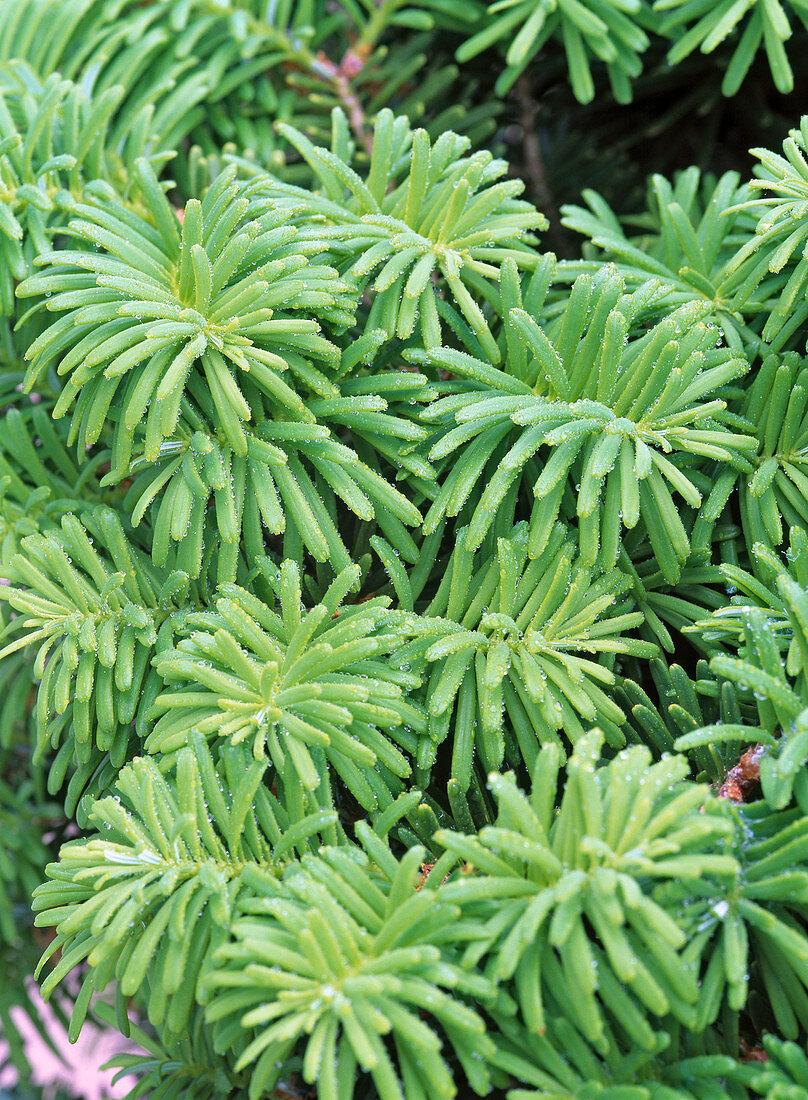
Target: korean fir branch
<point>309,688</point>
<point>426,215</point>
<point>427,87</point>
<point>149,895</point>
<point>79,772</point>
<point>764,628</point>
<point>684,1066</point>
<point>515,651</point>
<point>591,31</point>
<point>786,1069</point>
<point>773,497</point>
<point>685,240</point>
<point>676,704</point>
<point>54,148</point>
<point>90,605</point>
<point>776,250</point>
<point>40,480</point>
<point>566,902</point>
<point>212,74</point>
<point>150,305</point>
<point>669,610</point>
<point>601,417</point>
<point>355,969</point>
<point>751,25</point>
<point>184,66</point>
<point>292,478</point>
<point>711,894</point>
<point>195,349</point>
<point>183,1068</point>
<point>749,936</point>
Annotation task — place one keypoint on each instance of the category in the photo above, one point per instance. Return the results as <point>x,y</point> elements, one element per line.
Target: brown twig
<point>340,77</point>
<point>533,165</point>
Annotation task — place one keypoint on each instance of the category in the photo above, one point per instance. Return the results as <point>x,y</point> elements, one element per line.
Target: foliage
<point>95,621</point>
<point>767,25</point>
<point>518,649</point>
<point>187,1068</point>
<point>593,865</point>
<point>610,398</point>
<point>353,960</point>
<point>387,600</point>
<point>307,690</point>
<point>781,234</point>
<point>766,626</point>
<point>55,143</point>
<point>422,210</point>
<point>686,241</point>
<point>180,885</point>
<point>607,30</point>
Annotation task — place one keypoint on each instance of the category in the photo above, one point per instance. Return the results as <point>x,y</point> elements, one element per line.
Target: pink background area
<point>79,1070</point>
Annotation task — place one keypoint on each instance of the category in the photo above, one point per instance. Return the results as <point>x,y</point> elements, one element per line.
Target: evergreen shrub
<point>404,544</point>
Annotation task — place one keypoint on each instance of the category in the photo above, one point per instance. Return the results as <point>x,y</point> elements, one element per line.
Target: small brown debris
<point>426,870</point>
<point>743,779</point>
<point>750,1053</point>
<point>424,874</point>
<point>293,1089</point>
